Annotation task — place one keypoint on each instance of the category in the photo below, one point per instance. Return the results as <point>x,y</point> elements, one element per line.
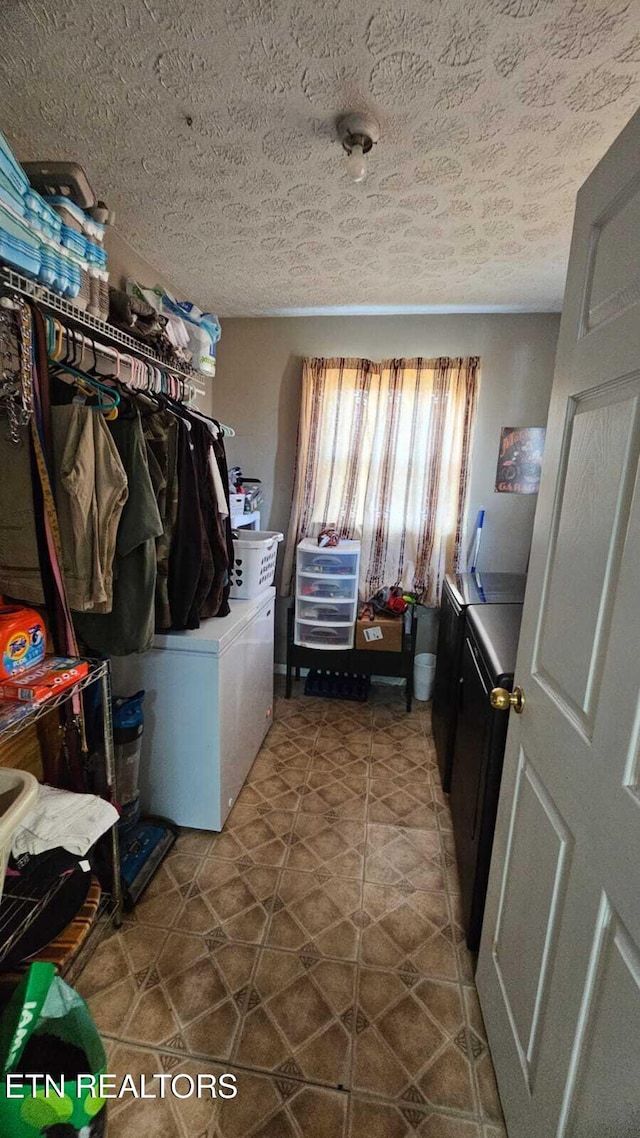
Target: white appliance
<point>326,594</point>
<point>208,707</point>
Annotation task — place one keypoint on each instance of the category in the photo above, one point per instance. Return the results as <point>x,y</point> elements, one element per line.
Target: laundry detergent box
<point>22,640</point>
<point>45,681</point>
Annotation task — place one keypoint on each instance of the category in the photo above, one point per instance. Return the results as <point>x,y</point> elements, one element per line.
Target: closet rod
<point>12,282</point>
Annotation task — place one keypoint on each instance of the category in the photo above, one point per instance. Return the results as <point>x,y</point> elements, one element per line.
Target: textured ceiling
<point>209,126</point>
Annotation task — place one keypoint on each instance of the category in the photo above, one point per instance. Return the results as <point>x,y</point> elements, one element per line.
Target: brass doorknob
<point>502,699</point>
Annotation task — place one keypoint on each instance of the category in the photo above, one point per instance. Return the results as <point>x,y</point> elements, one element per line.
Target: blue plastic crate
<point>19,246</point>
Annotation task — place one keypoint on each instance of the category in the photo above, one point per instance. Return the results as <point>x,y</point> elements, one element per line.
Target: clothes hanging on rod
<point>28,410</point>
<point>91,488</point>
<point>139,481</point>
<point>127,624</point>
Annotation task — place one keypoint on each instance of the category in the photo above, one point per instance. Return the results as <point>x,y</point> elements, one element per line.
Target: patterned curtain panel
<point>383,454</point>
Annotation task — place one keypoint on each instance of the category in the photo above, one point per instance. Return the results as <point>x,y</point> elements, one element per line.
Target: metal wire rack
<point>19,910</point>
<point>49,300</point>
<point>16,911</point>
<point>14,717</point>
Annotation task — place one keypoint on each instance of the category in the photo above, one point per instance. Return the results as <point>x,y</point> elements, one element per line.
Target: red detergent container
<point>22,640</point>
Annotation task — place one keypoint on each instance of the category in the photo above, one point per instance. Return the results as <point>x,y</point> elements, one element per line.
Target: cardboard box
<point>55,675</point>
<point>384,634</point>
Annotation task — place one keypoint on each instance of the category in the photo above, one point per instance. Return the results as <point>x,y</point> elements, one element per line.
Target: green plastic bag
<point>46,1029</point>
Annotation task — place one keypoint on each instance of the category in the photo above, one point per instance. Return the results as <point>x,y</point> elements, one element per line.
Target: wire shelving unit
<point>19,912</point>
<point>51,302</point>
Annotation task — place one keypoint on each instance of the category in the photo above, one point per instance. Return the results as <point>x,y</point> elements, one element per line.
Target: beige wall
<point>125,261</point>
<point>257,391</point>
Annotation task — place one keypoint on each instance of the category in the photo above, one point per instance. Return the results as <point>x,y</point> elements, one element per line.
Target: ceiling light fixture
<point>357,133</point>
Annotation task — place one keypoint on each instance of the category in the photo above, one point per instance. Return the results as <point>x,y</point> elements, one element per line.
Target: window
<point>383,454</point>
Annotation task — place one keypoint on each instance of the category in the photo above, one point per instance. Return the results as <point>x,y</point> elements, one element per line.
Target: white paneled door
<point>559,966</point>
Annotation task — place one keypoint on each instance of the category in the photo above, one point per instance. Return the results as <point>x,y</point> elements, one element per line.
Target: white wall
<point>257,391</point>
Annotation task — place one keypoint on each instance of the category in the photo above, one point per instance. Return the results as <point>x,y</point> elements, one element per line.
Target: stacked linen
<point>82,237</point>
<point>62,818</point>
<point>51,239</point>
<point>19,245</point>
<point>203,329</point>
<point>192,332</point>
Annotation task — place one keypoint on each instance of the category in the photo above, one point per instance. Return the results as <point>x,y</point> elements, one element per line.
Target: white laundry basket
<point>18,793</point>
<point>254,563</point>
<point>424,670</point>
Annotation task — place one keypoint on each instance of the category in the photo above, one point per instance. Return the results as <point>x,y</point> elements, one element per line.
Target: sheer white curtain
<point>383,454</point>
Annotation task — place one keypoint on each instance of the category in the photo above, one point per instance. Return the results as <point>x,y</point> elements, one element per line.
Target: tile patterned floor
<point>313,949</point>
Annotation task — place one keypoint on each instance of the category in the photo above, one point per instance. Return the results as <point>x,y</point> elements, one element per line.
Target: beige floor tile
<point>109,965</point>
<point>302,725</point>
<point>318,914</point>
<point>473,1011</point>
<point>324,841</point>
<point>242,955</point>
<point>170,1117</point>
<point>152,1020</point>
<point>349,717</point>
<point>299,1018</point>
<point>279,1107</point>
<point>111,1007</point>
<point>402,801</point>
<point>285,709</point>
<point>231,900</point>
<point>489,1096</point>
<point>357,738</point>
<point>140,1119</point>
<point>272,791</point>
<point>411,1042</point>
<point>124,1059</point>
<point>258,838</point>
<point>444,815</point>
<point>404,730</point>
<point>194,842</point>
<point>161,901</point>
<point>404,857</point>
<point>117,972</point>
<point>349,757</point>
<point>386,714</point>
<point>389,759</point>
<point>292,751</point>
<point>408,931</point>
<point>267,767</point>
<point>335,790</point>
<point>467,961</point>
<point>194,1000</point>
<point>179,950</point>
<point>371,1119</point>
<point>184,867</point>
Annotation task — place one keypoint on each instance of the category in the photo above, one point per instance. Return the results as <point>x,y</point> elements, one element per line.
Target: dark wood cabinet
<point>460,591</point>
<point>488,660</point>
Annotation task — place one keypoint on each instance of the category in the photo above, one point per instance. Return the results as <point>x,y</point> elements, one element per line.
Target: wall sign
<point>520,460</point>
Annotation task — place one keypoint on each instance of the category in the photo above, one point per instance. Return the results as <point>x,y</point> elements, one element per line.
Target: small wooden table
<point>355,661</point>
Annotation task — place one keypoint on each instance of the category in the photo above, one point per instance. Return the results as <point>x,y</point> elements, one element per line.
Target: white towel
<point>61,818</point>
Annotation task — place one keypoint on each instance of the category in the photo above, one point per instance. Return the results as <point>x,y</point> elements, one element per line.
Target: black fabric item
<point>214,534</point>
<point>185,556</point>
<point>54,918</point>
<point>221,459</point>
<point>43,868</point>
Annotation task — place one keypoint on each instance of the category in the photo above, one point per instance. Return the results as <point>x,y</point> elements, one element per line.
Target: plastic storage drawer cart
<point>326,594</point>
<point>18,793</point>
<point>254,563</point>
